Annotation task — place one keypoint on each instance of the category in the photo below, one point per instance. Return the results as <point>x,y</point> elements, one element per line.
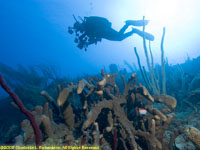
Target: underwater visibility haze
<point>115,74</point>
<point>35,31</point>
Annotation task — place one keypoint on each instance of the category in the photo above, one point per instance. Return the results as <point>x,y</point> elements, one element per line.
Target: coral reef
<point>112,111</point>
<point>101,99</point>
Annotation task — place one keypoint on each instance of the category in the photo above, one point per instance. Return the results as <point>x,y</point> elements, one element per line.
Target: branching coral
<point>145,126</point>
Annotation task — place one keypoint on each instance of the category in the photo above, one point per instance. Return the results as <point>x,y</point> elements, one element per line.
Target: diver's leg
<point>134,23</point>
<point>124,36</point>
<point>147,36</point>
<point>113,35</point>
<point>123,29</point>
<point>117,36</point>
<point>137,22</point>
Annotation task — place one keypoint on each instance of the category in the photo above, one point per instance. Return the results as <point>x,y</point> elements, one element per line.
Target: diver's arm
<point>82,36</point>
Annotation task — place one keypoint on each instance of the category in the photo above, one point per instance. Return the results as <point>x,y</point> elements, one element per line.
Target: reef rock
<point>194,135</point>
<point>182,143</point>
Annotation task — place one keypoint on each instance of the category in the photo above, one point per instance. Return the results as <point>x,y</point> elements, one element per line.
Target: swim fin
<point>137,22</point>
<point>147,36</point>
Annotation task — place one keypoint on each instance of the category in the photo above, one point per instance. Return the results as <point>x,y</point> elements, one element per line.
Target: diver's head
<point>78,26</point>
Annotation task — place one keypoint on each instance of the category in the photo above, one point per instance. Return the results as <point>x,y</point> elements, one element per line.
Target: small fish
<point>142,111</point>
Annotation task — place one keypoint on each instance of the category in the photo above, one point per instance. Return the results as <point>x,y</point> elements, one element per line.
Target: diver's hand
<point>137,22</point>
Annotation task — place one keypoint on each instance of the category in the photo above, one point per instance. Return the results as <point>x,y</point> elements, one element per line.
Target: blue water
<point>35,31</point>
<point>34,34</point>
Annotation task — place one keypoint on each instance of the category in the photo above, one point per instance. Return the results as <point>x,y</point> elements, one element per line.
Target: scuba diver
<point>93,29</point>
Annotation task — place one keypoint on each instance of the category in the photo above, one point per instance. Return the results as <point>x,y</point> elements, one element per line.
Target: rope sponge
<point>22,108</point>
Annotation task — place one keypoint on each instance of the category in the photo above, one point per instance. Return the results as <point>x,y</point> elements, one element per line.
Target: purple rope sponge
<point>30,116</point>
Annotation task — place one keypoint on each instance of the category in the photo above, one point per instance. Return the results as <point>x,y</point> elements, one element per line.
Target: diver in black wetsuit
<point>93,29</point>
